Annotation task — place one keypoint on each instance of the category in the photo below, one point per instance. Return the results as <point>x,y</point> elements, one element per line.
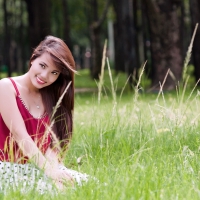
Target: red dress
<point>9,150</point>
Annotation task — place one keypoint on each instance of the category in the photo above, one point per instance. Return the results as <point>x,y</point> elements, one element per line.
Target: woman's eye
<point>43,66</point>
<point>55,73</point>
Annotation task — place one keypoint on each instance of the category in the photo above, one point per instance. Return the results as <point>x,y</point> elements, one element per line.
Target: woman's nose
<point>44,75</point>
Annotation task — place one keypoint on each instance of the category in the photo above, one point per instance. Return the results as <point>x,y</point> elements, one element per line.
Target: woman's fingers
<point>67,177</point>
<point>60,175</point>
<point>59,185</point>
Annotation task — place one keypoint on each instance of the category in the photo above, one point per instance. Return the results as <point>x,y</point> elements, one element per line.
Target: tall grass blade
<point>193,90</point>
<point>100,84</point>
<point>184,89</point>
<point>59,100</point>
<point>161,86</point>
<point>138,83</point>
<point>49,127</point>
<point>126,83</point>
<point>188,54</point>
<point>111,82</point>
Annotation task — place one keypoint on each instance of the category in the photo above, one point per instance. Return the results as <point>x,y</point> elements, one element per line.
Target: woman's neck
<point>26,81</point>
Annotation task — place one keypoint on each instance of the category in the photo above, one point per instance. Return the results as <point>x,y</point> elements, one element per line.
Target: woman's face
<point>43,71</point>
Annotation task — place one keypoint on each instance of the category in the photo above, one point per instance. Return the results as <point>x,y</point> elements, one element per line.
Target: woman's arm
<point>14,121</point>
<point>52,157</point>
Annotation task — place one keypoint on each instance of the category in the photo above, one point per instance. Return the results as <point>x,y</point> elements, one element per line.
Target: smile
<point>39,80</point>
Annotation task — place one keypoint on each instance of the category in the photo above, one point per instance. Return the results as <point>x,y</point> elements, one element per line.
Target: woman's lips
<point>40,81</point>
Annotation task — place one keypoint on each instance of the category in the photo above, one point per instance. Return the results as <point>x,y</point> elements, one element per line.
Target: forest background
<point>155,31</point>
<point>138,145</point>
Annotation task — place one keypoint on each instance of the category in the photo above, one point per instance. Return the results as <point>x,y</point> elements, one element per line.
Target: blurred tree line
<point>137,30</point>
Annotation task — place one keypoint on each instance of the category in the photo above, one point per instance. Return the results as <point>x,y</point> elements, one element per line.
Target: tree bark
<point>165,41</point>
<point>39,20</point>
<point>95,33</point>
<point>66,24</point>
<point>125,44</point>
<point>7,40</point>
<point>195,16</point>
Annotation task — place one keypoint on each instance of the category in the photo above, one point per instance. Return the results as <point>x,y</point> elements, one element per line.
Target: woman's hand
<point>58,175</point>
<point>61,177</point>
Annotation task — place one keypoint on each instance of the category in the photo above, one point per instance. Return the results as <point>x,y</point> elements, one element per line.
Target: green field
<point>139,146</point>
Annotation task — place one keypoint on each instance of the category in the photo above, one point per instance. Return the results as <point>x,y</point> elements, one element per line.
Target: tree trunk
<point>118,33</point>
<point>66,24</point>
<point>146,44</point>
<point>195,16</point>
<point>125,44</point>
<point>137,28</point>
<point>39,20</point>
<point>22,41</point>
<point>165,41</point>
<point>7,40</point>
<point>95,33</point>
<point>95,42</point>
<point>96,50</point>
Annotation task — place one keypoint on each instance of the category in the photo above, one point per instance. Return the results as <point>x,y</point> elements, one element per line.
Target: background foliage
<point>156,31</point>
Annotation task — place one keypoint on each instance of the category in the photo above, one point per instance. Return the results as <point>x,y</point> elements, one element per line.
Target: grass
<point>144,149</point>
<point>149,150</point>
<point>138,148</point>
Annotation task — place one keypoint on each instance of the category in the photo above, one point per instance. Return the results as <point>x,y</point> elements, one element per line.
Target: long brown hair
<point>63,59</point>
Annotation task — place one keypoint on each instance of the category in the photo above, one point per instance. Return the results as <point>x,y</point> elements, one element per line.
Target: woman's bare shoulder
<point>5,82</point>
<point>6,85</point>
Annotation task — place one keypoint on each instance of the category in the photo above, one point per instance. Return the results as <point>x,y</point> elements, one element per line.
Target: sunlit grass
<point>144,149</point>
<point>138,148</point>
<point>148,151</point>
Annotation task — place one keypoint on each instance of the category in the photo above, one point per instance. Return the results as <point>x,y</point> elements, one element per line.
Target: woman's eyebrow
<point>44,64</point>
<point>55,70</point>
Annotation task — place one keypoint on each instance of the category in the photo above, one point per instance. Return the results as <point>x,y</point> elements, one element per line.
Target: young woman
<point>32,127</point>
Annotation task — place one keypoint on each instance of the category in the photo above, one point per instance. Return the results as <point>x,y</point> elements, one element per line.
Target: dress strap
<point>15,86</point>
